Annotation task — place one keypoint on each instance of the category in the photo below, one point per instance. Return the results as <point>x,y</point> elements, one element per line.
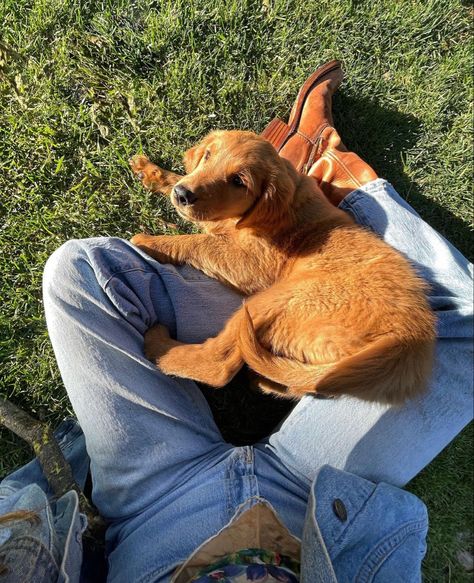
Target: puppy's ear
<point>272,207</point>
<point>193,156</point>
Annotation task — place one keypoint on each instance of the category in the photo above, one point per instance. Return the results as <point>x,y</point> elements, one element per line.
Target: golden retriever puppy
<point>331,308</point>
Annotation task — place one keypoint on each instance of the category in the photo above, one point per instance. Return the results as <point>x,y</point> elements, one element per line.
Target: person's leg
<point>145,433</point>
<point>383,443</point>
<point>162,474</point>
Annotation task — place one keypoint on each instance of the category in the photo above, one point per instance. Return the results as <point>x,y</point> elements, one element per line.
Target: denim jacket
<point>355,530</point>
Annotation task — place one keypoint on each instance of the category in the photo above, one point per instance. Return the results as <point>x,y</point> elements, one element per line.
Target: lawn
<point>86,84</point>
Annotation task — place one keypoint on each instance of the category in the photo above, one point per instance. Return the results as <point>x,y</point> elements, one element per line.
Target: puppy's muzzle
<point>183,196</point>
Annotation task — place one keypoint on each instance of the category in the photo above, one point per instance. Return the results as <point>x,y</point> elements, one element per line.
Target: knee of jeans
<point>62,265</point>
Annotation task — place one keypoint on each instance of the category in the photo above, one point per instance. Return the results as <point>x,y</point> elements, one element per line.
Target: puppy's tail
<point>389,370</point>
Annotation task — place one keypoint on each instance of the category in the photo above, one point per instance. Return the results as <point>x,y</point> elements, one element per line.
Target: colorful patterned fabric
<point>257,565</point>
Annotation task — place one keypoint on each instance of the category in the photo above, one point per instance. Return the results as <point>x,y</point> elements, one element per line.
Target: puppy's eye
<point>207,155</point>
<point>237,180</point>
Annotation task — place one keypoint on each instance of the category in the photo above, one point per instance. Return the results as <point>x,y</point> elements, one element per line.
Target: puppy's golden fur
<point>332,309</point>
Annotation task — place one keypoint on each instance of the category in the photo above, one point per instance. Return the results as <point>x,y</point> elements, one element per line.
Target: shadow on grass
<point>382,136</point>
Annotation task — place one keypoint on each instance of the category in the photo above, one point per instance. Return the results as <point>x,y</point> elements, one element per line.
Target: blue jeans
<point>162,473</point>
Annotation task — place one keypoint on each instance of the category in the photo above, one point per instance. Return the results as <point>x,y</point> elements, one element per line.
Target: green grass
<point>86,84</point>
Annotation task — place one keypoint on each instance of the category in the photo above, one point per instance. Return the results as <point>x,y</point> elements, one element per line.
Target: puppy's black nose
<point>183,195</point>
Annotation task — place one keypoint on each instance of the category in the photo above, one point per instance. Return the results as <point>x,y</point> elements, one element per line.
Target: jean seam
<point>354,208</point>
<point>10,489</point>
<point>207,279</point>
<point>292,420</point>
<point>387,546</point>
<point>197,280</point>
<point>152,271</point>
<point>117,273</point>
<point>290,467</point>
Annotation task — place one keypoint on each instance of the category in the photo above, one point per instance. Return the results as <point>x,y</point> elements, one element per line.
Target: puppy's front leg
<point>213,254</point>
<point>174,249</point>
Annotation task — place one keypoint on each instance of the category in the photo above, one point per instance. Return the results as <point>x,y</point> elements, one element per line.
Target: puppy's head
<point>235,175</point>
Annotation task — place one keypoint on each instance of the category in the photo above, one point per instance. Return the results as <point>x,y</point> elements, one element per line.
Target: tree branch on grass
<point>56,469</point>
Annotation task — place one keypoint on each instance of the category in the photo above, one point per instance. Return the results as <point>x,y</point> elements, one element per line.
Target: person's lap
<point>161,470</point>
<point>100,297</point>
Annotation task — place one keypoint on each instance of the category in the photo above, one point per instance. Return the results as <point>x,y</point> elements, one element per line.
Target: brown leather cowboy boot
<point>338,171</point>
<point>310,141</point>
<point>298,140</point>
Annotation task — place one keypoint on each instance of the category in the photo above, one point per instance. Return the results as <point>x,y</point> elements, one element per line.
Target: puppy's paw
<point>157,343</point>
<point>141,240</point>
<point>151,176</point>
<point>150,244</point>
<point>138,162</point>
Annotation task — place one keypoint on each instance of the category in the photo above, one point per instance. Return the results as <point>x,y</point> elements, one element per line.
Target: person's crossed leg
<point>162,473</point>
